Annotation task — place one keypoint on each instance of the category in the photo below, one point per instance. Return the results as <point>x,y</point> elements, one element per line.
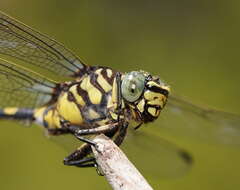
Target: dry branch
<point>120,173</point>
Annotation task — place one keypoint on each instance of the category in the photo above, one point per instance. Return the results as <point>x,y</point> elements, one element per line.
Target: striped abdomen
<point>17,113</point>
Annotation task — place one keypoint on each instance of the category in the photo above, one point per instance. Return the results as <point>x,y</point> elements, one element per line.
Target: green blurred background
<point>193,45</point>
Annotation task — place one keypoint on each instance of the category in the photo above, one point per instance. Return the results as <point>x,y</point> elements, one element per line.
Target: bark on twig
<point>117,169</point>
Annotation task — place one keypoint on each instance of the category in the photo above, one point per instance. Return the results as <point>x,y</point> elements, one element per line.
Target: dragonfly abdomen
<point>16,113</point>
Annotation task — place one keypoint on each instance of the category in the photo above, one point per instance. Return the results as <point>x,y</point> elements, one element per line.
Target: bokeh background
<point>193,45</point>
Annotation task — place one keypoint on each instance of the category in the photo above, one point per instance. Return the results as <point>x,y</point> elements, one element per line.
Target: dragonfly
<point>44,83</point>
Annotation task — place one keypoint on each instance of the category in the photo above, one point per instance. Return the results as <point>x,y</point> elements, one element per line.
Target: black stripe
<point>158,90</point>
<point>94,82</point>
<point>98,108</point>
<point>104,74</point>
<point>83,94</point>
<point>72,98</point>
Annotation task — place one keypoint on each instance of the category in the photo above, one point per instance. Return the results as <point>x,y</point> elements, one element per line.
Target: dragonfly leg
<point>91,161</point>
<point>83,163</point>
<point>118,139</point>
<point>79,155</point>
<point>79,158</point>
<point>80,132</point>
<point>121,134</point>
<point>98,130</point>
<point>86,140</point>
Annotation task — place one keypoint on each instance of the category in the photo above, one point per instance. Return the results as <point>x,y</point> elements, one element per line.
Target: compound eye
<point>132,86</point>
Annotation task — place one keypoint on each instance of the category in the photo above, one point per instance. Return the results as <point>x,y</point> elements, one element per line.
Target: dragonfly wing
<point>22,42</point>
<point>154,156</point>
<point>22,88</point>
<point>196,122</point>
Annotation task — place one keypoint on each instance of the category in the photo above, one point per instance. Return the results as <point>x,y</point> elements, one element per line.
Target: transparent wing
<point>20,41</point>
<point>154,156</point>
<point>21,88</point>
<point>208,125</point>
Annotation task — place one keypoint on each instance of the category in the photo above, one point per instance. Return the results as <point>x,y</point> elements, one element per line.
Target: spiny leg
<point>98,130</point>
<point>83,163</point>
<point>77,157</point>
<point>121,134</point>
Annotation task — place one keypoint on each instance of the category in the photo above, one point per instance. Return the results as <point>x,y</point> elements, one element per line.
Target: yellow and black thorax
<point>86,101</point>
<point>103,96</point>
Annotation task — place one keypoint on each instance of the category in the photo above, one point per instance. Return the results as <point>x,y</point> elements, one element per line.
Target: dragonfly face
<point>145,95</point>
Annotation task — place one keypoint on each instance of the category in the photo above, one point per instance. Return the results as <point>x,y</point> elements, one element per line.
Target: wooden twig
<point>120,173</point>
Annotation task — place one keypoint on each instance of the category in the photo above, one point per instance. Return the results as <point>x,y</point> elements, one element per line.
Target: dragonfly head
<point>146,95</point>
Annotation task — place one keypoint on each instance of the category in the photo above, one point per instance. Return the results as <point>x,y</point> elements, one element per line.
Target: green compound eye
<point>132,86</point>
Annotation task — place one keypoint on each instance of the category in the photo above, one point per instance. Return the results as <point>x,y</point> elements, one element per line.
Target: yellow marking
<point>10,111</point>
<point>78,98</point>
<point>93,114</point>
<point>104,84</point>
<point>149,95</point>
<point>114,115</point>
<point>155,98</point>
<point>98,71</point>
<point>56,119</point>
<point>114,93</point>
<point>52,118</point>
<point>94,94</point>
<point>69,110</point>
<point>140,105</point>
<point>109,73</point>
<point>161,100</point>
<point>131,106</point>
<point>152,83</point>
<point>152,111</point>
<point>123,104</point>
<point>48,118</point>
<point>38,113</point>
<point>157,101</point>
<point>109,103</point>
